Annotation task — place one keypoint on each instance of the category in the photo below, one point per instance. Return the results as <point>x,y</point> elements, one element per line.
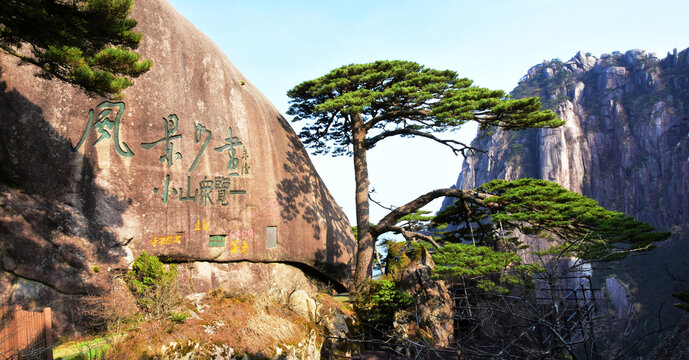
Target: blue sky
<point>278,44</point>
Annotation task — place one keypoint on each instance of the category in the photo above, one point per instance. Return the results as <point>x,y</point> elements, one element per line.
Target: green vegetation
<point>87,43</point>
<point>502,295</point>
<point>482,267</point>
<point>92,349</point>
<point>649,62</point>
<point>481,248</point>
<point>396,259</point>
<point>578,225</point>
<point>179,317</point>
<point>551,81</point>
<point>154,285</point>
<point>379,302</point>
<point>359,105</point>
<point>683,297</point>
<point>588,230</point>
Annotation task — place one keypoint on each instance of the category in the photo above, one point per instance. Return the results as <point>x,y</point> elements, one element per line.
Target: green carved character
<point>105,127</point>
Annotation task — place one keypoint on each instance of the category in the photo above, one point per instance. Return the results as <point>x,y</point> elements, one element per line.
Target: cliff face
<point>625,143</point>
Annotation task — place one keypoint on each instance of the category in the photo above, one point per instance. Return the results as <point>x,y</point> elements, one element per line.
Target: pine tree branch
<point>394,115</point>
<point>457,147</point>
<point>393,217</point>
<point>410,235</point>
<point>389,208</point>
<point>323,133</point>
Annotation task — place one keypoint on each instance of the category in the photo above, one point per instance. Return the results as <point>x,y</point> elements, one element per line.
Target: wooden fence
<point>25,334</point>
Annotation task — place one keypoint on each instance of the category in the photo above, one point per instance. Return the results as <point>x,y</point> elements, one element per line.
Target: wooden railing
<point>25,334</point>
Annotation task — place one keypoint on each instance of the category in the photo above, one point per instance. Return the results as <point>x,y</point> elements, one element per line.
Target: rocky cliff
<point>194,165</point>
<point>625,143</point>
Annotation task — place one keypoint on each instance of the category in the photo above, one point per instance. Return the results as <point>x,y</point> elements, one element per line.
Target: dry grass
<point>341,304</point>
<point>275,325</point>
<point>248,325</point>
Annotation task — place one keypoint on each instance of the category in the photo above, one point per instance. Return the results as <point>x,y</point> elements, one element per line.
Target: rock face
<point>193,165</point>
<point>625,143</point>
<point>431,319</point>
<point>675,346</point>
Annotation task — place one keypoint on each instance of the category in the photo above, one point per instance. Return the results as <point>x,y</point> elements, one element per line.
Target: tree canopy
<point>406,99</point>
<point>482,242</point>
<point>477,263</point>
<point>87,43</point>
<point>353,107</point>
<point>580,227</point>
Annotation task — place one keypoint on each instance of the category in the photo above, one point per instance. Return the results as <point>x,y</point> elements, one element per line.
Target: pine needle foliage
<point>482,266</point>
<point>87,43</point>
<point>472,225</point>
<point>538,207</point>
<point>402,98</point>
<point>416,220</point>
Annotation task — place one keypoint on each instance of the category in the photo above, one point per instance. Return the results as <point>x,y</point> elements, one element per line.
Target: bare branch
<point>410,235</point>
<point>395,114</point>
<point>389,208</point>
<point>457,147</point>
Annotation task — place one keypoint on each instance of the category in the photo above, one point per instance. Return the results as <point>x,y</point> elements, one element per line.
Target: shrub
<point>396,260</point>
<point>154,285</point>
<point>380,300</point>
<point>179,317</point>
<point>399,257</point>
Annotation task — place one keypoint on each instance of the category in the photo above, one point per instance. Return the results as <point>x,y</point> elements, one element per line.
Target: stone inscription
<point>230,143</point>
<point>105,127</point>
<point>167,240</point>
<point>170,133</point>
<point>238,239</point>
<point>202,226</point>
<point>211,190</point>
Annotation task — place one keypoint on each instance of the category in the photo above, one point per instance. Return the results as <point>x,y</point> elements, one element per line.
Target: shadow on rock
<point>54,218</point>
<point>303,194</point>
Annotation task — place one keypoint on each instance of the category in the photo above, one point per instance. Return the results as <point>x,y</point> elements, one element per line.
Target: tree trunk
<point>366,245</point>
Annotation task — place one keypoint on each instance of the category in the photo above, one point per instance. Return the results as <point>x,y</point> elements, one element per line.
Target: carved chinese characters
<point>178,185</point>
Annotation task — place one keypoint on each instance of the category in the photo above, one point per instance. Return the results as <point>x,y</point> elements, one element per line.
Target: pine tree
<point>581,227</point>
<point>87,43</point>
<point>484,246</point>
<point>354,107</point>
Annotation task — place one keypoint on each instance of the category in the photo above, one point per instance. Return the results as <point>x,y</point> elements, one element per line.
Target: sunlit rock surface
<point>194,164</point>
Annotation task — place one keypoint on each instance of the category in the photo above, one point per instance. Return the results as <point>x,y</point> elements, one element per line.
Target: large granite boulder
<point>193,165</point>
